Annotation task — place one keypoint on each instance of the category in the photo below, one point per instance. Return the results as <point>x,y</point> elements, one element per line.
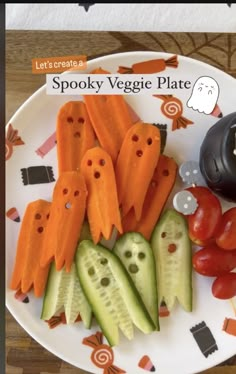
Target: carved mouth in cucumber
<point>110,292</point>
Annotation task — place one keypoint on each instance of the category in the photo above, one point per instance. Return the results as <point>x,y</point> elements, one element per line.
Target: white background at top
<point>123,17</point>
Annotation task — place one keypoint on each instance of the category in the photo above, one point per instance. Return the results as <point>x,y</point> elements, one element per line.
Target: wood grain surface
<point>23,354</point>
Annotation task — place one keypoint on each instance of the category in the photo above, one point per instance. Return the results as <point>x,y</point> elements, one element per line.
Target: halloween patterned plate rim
<point>207,338</point>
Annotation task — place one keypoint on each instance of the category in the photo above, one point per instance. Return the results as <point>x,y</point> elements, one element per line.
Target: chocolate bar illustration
<point>163,133</point>
<point>229,326</point>
<point>47,145</point>
<point>204,338</point>
<point>37,174</point>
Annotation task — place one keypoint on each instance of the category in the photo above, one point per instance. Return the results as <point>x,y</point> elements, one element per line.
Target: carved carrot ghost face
<point>135,165</point>
<point>96,168</point>
<point>204,95</point>
<point>69,193</point>
<point>40,217</point>
<point>66,218</point>
<point>29,246</point>
<point>102,208</point>
<point>74,135</point>
<point>73,115</point>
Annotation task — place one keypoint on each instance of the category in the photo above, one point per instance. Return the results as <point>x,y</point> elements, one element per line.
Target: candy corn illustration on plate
<point>190,98</point>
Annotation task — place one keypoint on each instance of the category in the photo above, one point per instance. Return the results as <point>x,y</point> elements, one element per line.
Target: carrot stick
<point>110,119</point>
<point>159,189</point>
<point>27,273</point>
<point>150,66</point>
<point>135,166</point>
<point>74,134</point>
<point>102,203</point>
<point>134,116</point>
<point>65,221</point>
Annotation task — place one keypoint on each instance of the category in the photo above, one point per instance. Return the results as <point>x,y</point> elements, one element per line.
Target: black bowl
<point>218,157</point>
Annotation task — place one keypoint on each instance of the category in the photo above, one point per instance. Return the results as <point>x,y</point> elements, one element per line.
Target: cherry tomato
<point>226,236</point>
<point>204,222</point>
<point>213,262</point>
<point>224,287</point>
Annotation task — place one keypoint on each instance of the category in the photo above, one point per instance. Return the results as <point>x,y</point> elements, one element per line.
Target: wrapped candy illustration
<point>204,338</point>
<point>102,355</point>
<point>172,108</point>
<point>12,139</point>
<point>37,174</point>
<point>47,145</point>
<point>150,66</point>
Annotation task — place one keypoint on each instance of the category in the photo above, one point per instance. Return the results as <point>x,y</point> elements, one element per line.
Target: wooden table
<point>23,354</point>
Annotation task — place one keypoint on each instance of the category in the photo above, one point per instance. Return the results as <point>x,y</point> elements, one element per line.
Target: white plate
<point>175,349</point>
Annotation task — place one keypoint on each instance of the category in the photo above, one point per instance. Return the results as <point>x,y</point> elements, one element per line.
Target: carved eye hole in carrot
<point>158,192</point>
<point>27,273</point>
<point>74,135</point>
<point>135,165</point>
<point>65,221</point>
<point>102,203</point>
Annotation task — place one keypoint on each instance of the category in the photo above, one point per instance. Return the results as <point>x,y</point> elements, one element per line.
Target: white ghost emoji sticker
<point>204,95</point>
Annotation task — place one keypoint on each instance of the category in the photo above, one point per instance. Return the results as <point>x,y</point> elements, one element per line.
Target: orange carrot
<point>110,119</point>
<point>102,203</point>
<point>65,221</point>
<point>135,166</point>
<point>27,273</point>
<point>150,66</point>
<point>74,134</point>
<point>134,116</point>
<point>159,189</point>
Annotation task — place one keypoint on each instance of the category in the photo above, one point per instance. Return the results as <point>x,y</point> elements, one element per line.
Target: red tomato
<point>204,222</point>
<point>224,287</point>
<point>213,262</point>
<point>226,236</point>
